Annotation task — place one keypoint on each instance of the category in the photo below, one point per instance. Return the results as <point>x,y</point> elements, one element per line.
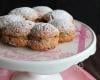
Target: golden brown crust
<point>15,41</point>
<point>27,12</point>
<point>66,37</point>
<point>44,44</point>
<point>42,10</point>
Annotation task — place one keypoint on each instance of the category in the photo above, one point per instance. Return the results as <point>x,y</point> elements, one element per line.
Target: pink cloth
<point>5,74</point>
<point>76,73</point>
<point>73,73</point>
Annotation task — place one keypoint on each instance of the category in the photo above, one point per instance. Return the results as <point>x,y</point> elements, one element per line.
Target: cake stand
<point>47,65</point>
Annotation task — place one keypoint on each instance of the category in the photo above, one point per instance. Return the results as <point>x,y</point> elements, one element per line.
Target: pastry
<point>57,14</point>
<point>16,34</point>
<point>42,10</point>
<point>43,36</point>
<point>5,20</point>
<point>66,29</point>
<point>27,12</point>
<point>39,28</point>
<point>9,19</point>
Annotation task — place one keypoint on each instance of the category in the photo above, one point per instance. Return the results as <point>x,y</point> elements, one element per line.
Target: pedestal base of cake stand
<point>32,76</point>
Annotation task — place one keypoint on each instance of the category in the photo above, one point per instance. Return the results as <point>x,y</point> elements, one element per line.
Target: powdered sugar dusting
<point>19,28</point>
<point>41,29</point>
<point>59,14</point>
<point>42,10</point>
<point>63,25</point>
<point>9,19</point>
<point>26,12</point>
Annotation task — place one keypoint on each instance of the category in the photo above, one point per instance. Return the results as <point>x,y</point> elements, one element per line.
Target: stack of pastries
<point>39,28</point>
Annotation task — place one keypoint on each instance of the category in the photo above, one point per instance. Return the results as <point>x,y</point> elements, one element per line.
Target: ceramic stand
<point>48,69</point>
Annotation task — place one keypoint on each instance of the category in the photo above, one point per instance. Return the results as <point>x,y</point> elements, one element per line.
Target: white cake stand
<point>48,69</point>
